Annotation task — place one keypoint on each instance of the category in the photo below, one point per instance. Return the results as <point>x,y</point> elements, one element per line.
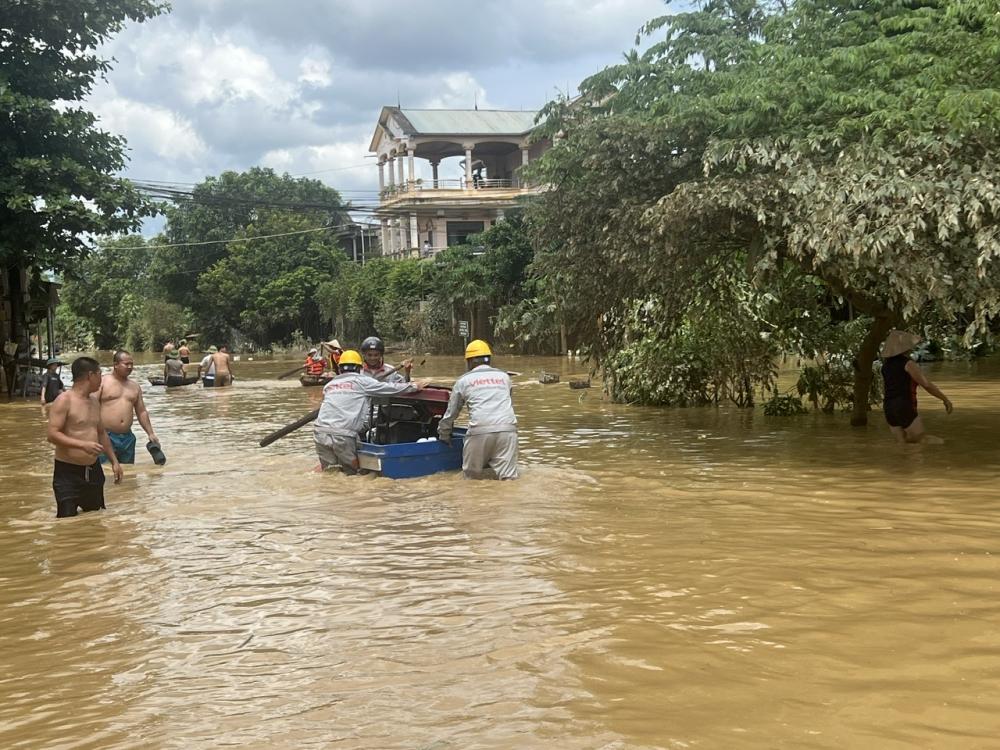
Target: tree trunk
<point>863,375</point>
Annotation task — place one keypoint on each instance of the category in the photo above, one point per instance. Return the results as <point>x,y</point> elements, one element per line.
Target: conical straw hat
<point>898,342</point>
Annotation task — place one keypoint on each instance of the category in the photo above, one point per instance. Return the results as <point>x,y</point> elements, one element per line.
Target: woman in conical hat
<point>902,376</point>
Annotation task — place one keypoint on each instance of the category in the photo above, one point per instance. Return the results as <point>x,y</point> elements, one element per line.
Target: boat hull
<point>408,460</point>
<point>310,381</point>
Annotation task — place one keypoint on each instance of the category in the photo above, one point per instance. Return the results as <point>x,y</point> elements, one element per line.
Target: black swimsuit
<point>900,401</point>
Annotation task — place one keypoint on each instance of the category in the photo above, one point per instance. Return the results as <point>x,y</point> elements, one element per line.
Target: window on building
<point>458,231</point>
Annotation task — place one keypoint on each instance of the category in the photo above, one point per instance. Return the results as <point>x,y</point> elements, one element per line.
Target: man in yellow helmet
<point>491,441</point>
<point>344,412</point>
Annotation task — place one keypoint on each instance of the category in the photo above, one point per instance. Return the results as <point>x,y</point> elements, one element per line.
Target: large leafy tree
<point>852,143</point>
<point>58,182</point>
<point>223,208</point>
<point>266,288</point>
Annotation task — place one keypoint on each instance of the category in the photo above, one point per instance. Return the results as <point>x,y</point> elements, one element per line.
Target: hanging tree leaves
<point>57,167</point>
<point>853,142</point>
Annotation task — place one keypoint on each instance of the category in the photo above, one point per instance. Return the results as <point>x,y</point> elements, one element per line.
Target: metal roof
<point>468,121</point>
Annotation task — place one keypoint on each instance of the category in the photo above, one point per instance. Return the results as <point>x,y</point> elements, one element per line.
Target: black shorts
<point>186,360</point>
<point>899,412</point>
<point>77,487</point>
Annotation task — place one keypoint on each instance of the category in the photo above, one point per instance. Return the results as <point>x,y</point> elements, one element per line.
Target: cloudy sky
<point>298,85</point>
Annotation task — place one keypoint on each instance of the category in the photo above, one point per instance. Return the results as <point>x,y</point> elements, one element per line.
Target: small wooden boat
<point>547,378</point>
<point>310,381</point>
<point>403,440</point>
<point>159,381</point>
<point>579,384</point>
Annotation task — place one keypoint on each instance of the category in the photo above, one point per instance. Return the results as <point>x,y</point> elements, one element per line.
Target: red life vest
<point>315,366</point>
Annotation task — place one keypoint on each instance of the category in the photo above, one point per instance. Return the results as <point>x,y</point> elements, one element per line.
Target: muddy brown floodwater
<point>659,578</point>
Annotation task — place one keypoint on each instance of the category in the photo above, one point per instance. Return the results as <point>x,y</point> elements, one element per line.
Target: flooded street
<point>658,578</point>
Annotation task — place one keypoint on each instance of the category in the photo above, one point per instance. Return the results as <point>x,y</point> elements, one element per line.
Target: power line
<point>238,239</point>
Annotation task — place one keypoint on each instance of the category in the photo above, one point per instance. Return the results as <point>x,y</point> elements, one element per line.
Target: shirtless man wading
<point>223,367</point>
<point>76,432</point>
<point>121,400</point>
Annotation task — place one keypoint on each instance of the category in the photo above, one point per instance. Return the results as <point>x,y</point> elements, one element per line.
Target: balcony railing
<point>416,186</point>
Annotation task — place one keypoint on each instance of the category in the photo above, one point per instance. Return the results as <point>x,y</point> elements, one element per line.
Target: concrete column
<point>468,164</point>
<point>414,233</point>
<point>434,170</point>
<point>400,236</point>
<point>409,162</point>
<point>381,174</point>
<point>392,172</point>
<point>402,179</point>
<point>524,156</point>
<point>385,237</point>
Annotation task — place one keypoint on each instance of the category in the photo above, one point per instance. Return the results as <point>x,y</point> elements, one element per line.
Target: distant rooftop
<point>463,121</point>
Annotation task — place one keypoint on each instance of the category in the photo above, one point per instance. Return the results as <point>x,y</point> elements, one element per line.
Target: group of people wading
<point>490,445</point>
<point>215,370</point>
<point>90,424</point>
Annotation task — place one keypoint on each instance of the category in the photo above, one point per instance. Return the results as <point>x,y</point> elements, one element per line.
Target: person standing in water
<point>121,401</point>
<point>490,445</point>
<point>343,414</point>
<point>52,385</point>
<point>222,363</point>
<point>76,431</point>
<point>902,376</point>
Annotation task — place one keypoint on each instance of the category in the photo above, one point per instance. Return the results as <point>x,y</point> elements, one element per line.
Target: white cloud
<point>152,129</point>
<point>315,71</point>
<point>229,84</point>
<point>458,91</point>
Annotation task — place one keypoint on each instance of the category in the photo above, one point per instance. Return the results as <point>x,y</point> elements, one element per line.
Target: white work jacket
<point>347,402</point>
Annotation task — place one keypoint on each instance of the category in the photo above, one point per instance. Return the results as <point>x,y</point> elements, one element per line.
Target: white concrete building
<point>423,211</point>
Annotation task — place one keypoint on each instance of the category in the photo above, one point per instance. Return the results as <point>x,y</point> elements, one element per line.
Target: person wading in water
<point>344,412</point>
<point>490,445</point>
<point>75,430</point>
<point>121,401</point>
<point>902,376</point>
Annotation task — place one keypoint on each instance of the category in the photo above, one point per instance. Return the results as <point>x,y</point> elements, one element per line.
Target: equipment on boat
<point>402,441</point>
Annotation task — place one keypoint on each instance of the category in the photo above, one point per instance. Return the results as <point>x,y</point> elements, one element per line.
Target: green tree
<point>850,144</point>
<point>266,288</point>
<point>106,290</point>
<point>58,180</point>
<point>224,208</point>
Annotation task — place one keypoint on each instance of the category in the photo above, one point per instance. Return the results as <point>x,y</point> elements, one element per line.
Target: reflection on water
<point>658,578</point>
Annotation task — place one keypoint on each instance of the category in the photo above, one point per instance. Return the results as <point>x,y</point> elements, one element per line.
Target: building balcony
<point>454,190</point>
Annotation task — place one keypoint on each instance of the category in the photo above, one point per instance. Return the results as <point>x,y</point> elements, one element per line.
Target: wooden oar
<point>277,435</point>
<point>291,372</point>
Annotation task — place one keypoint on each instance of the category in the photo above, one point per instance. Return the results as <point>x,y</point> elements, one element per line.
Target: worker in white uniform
<point>344,412</point>
<point>491,440</point>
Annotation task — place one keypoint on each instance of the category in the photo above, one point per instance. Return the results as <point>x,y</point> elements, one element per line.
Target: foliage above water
<point>58,169</point>
<point>852,144</point>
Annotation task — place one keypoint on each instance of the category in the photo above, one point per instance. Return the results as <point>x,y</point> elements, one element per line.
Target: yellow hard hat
<point>478,348</point>
<point>351,357</point>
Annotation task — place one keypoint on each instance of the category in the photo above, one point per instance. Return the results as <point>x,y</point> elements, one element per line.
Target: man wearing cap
<point>52,384</point>
<point>208,367</point>
<point>336,350</point>
<point>491,440</point>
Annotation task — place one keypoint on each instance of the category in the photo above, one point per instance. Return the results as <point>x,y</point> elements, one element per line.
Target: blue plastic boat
<point>407,460</point>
